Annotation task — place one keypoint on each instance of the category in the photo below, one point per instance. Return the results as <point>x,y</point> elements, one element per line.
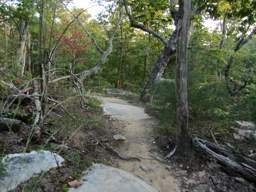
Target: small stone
<point>168,167</point>
<point>144,168</point>
<point>119,137</point>
<point>181,172</point>
<point>190,182</point>
<point>201,173</point>
<point>74,184</point>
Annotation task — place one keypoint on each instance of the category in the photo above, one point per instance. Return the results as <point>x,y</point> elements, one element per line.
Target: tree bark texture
<point>184,142</point>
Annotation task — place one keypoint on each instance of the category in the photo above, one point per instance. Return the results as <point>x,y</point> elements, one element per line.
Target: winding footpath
<point>138,131</point>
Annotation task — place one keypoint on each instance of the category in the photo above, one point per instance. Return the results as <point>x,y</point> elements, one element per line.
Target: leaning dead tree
<point>232,161</point>
<point>168,50</point>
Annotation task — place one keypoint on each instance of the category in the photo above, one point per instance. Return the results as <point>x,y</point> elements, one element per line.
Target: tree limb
<point>233,86</point>
<point>141,26</point>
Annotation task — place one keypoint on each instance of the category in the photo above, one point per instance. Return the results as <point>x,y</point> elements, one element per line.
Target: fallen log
<point>234,162</point>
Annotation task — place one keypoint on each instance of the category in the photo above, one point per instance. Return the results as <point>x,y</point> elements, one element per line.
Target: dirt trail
<point>138,130</point>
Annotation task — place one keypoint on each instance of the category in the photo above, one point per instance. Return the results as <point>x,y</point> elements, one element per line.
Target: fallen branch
<point>234,162</point>
<point>11,86</point>
<point>171,153</point>
<point>115,153</point>
<point>57,103</point>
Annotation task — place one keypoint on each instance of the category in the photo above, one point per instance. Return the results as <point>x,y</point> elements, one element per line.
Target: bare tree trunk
<point>184,141</point>
<point>6,33</point>
<point>224,32</point>
<point>29,53</point>
<point>22,50</point>
<point>38,74</point>
<point>120,68</point>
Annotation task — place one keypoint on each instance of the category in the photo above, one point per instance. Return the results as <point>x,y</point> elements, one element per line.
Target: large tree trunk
<point>184,141</point>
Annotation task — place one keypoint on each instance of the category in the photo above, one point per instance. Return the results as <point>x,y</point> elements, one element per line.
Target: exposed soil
<point>138,130</point>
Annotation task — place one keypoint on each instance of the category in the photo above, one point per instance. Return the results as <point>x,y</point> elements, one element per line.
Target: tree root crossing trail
<point>138,131</point>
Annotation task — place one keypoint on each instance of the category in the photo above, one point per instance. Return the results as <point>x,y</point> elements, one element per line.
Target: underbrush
<point>212,111</point>
<point>72,131</point>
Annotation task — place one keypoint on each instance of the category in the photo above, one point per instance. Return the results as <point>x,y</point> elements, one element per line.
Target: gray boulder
<point>244,130</point>
<point>20,167</point>
<point>102,178</point>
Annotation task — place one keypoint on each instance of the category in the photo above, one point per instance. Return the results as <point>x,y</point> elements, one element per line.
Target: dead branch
<point>233,86</point>
<point>11,86</point>
<point>57,103</point>
<point>234,162</point>
<point>168,156</point>
<point>115,153</point>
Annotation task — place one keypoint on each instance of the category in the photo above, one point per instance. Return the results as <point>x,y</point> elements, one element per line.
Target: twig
<point>214,138</point>
<point>62,107</point>
<point>171,153</point>
<point>120,156</point>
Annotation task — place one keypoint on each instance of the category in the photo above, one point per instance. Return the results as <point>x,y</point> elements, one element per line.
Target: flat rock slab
<point>20,167</point>
<point>102,178</point>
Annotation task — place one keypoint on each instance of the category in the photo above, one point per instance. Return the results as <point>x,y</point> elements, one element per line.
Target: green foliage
<point>163,104</point>
<point>210,101</point>
<point>93,103</point>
